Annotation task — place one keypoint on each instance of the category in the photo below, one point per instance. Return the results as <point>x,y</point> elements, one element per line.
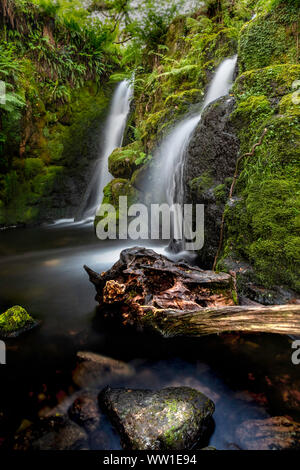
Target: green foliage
<point>47,58</point>
<point>193,47</point>
<point>154,20</point>
<point>32,167</point>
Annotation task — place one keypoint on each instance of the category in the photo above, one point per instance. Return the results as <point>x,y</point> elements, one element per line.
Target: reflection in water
<point>42,270</point>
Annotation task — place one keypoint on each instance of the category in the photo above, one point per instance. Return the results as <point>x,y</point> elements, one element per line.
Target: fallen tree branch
<point>248,154</point>
<point>149,291</point>
<point>280,319</point>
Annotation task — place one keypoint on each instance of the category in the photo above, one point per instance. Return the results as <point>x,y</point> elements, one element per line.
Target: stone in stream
<point>170,419</point>
<point>277,433</point>
<point>55,433</point>
<point>15,321</point>
<point>85,411</point>
<point>95,370</point>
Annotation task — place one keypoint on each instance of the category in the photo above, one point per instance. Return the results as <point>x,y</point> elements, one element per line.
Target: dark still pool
<point>251,379</point>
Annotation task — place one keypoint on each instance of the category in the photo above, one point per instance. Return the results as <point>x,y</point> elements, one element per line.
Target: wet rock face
<point>94,370</point>
<point>170,419</point>
<point>209,167</point>
<point>277,433</point>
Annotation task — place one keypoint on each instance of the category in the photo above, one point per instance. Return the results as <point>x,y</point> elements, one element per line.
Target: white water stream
<point>171,152</point>
<point>113,138</point>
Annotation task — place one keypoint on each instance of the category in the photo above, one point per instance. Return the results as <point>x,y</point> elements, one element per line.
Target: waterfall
<point>114,133</point>
<point>171,152</point>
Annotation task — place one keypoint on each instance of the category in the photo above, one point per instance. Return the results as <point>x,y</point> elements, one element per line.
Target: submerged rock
<point>85,411</point>
<point>55,433</point>
<point>15,321</point>
<point>94,370</point>
<point>170,419</point>
<point>277,433</point>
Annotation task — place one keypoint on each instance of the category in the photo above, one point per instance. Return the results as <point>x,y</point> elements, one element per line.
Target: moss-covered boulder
<point>112,192</point>
<point>15,321</point>
<point>170,419</point>
<point>124,161</point>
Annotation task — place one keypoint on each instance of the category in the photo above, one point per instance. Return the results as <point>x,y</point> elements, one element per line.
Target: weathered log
<point>150,291</point>
<point>280,319</point>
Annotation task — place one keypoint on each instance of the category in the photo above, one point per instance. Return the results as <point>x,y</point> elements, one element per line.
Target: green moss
<point>116,188</point>
<point>221,193</point>
<point>57,82</point>
<point>272,81</point>
<point>270,38</point>
<point>123,162</point>
<point>172,436</point>
<point>32,167</point>
<point>57,146</point>
<point>251,113</point>
<point>290,104</point>
<point>262,226</point>
<point>201,183</point>
<point>14,321</point>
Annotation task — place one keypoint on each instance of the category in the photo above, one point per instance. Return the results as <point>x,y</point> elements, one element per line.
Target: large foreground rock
<point>277,433</point>
<point>95,370</point>
<point>170,419</point>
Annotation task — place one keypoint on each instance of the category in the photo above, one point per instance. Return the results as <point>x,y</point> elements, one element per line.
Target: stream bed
<point>41,268</point>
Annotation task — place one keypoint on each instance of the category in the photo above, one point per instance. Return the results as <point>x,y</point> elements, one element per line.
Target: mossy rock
<point>173,418</point>
<point>201,183</point>
<point>273,81</point>
<point>112,192</point>
<point>123,162</point>
<point>270,38</point>
<point>15,321</point>
<point>262,226</point>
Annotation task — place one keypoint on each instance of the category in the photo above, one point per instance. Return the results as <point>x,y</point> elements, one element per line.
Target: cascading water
<point>172,150</point>
<point>114,133</point>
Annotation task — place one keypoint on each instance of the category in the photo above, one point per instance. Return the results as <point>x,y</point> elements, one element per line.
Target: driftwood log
<point>148,290</point>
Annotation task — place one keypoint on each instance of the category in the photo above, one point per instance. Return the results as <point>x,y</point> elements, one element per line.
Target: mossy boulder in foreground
<point>15,321</point>
<point>174,418</point>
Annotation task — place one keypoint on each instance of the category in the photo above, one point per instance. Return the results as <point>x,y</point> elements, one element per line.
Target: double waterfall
<point>170,155</point>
